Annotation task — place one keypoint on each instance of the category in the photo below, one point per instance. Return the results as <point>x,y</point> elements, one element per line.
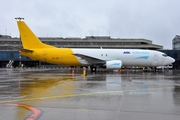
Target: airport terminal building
<point>9,53</point>
<point>176,43</point>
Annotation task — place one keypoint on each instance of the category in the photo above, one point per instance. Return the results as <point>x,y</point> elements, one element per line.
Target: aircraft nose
<point>171,60</point>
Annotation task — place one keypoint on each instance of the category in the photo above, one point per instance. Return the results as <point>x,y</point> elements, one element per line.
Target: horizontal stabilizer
<point>19,48</point>
<point>26,50</point>
<point>14,47</point>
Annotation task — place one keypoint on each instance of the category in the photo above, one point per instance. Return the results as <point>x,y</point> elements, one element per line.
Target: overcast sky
<point>156,20</point>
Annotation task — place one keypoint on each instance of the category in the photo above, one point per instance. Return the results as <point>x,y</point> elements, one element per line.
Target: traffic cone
<point>73,72</point>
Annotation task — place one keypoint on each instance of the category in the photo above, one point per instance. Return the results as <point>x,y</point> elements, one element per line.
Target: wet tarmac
<point>56,94</point>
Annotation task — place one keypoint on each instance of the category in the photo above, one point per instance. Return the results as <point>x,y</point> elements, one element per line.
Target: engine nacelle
<point>113,64</point>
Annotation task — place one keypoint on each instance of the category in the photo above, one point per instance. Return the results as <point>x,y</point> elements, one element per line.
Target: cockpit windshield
<point>164,55</point>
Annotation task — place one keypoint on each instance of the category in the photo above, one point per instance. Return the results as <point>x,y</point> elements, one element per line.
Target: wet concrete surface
<point>56,94</point>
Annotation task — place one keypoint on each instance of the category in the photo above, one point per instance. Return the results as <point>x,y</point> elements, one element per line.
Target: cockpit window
<point>164,55</point>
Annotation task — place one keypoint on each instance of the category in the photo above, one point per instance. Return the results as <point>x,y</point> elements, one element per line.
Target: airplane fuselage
<point>129,57</point>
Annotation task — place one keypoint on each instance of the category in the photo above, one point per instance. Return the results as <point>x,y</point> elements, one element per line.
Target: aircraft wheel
<point>93,69</point>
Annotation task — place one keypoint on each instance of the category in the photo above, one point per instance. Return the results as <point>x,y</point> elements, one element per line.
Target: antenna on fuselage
<point>19,18</point>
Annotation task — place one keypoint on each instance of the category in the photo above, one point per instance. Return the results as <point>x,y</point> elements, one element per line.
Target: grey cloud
<point>157,20</point>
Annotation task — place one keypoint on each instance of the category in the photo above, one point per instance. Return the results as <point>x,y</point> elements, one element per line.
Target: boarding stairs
<point>9,65</point>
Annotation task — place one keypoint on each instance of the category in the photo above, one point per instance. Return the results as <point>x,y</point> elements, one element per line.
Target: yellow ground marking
<point>84,94</point>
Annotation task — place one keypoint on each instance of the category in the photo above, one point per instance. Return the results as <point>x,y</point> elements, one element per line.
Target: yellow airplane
<point>111,58</point>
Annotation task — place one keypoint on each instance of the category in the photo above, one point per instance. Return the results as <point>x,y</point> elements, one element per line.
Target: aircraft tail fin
<point>28,38</point>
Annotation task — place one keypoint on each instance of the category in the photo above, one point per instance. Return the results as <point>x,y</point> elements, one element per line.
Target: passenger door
<point>155,59</point>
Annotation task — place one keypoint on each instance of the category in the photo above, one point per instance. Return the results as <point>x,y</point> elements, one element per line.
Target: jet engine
<point>113,64</point>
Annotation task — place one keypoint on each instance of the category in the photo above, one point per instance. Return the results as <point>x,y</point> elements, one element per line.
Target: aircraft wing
<point>88,60</point>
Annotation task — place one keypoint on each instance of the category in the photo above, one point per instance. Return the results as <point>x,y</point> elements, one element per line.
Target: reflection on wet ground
<point>57,94</point>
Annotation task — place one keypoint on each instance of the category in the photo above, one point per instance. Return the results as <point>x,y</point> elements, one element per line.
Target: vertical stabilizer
<point>28,38</point>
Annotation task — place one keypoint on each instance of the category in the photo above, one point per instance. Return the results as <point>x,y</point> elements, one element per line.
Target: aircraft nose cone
<point>171,60</point>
